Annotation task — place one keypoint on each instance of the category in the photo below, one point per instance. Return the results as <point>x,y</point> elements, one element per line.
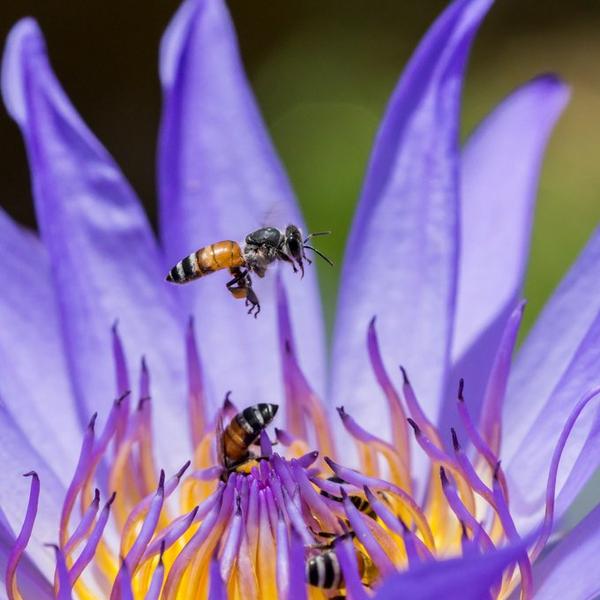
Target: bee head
<point>293,241</point>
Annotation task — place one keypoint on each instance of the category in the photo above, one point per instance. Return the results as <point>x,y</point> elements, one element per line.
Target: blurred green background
<point>322,71</point>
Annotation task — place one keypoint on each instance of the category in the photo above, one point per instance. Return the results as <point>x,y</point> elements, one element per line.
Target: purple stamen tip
<point>330,463</point>
<point>372,322</point>
<point>342,412</point>
<point>161,482</point>
<point>444,477</point>
<point>415,427</point>
<point>496,470</point>
<point>163,545</point>
<point>227,403</point>
<point>142,401</point>
<point>111,499</point>
<point>461,387</point>
<point>31,474</point>
<point>455,443</point>
<point>92,422</point>
<point>404,376</point>
<point>115,327</point>
<point>191,322</point>
<point>96,496</point>
<point>122,397</point>
<point>183,469</point>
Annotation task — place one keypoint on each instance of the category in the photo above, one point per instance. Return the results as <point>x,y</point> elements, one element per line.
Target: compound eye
<point>295,248</point>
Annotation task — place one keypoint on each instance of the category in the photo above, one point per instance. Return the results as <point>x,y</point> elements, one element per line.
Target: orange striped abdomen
<point>236,442</point>
<point>217,256</point>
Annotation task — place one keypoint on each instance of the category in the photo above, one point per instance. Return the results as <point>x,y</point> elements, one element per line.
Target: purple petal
<point>400,264</point>
<point>105,261</point>
<point>570,570</point>
<point>557,364</point>
<point>500,170</point>
<point>220,179</point>
<point>466,578</point>
<point>33,373</point>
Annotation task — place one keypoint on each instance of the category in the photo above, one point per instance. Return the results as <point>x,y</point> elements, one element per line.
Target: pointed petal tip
<point>171,45</point>
<point>552,81</point>
<point>24,38</point>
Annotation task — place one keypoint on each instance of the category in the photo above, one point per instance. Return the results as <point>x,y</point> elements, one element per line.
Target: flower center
<point>252,517</point>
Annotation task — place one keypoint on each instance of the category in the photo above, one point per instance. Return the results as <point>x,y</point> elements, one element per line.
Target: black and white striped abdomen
<point>255,418</point>
<point>186,270</point>
<point>323,571</point>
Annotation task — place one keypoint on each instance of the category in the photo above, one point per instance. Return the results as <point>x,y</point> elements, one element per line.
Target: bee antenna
<point>319,253</point>
<point>315,234</point>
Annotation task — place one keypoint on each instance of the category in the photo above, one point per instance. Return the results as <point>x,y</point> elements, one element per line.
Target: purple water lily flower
<point>445,477</point>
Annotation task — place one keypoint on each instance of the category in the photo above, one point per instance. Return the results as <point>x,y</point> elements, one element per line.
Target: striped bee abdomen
<point>245,428</point>
<point>221,255</point>
<point>323,571</point>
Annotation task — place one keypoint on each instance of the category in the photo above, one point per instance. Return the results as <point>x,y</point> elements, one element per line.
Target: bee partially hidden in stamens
<point>360,503</point>
<point>323,569</point>
<point>235,440</point>
<point>261,248</point>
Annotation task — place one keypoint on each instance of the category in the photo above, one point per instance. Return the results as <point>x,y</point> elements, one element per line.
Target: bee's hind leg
<point>240,287</point>
<point>252,302</point>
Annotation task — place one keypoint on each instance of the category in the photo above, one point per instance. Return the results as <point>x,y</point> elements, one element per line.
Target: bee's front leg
<point>252,302</point>
<point>285,258</point>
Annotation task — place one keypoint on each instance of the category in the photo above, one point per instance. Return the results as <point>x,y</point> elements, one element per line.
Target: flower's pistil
<point>290,522</point>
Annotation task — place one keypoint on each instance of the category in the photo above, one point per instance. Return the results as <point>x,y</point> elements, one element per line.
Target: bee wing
<point>277,215</point>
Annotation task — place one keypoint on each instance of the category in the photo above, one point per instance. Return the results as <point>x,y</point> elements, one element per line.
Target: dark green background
<point>322,71</point>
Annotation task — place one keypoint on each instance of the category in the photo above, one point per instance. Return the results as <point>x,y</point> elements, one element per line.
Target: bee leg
<point>252,302</point>
<point>237,280</point>
<point>285,258</point>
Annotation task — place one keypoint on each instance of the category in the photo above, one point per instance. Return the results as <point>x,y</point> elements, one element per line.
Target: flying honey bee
<point>234,441</point>
<point>261,248</point>
<point>323,569</point>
